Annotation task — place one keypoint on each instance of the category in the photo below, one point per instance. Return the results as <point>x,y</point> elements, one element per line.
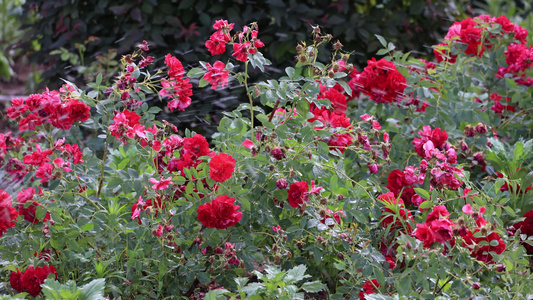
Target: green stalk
<point>251,101</point>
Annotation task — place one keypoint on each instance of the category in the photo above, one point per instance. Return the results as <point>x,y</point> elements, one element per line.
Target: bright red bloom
<point>337,99</point>
<point>34,277</point>
<point>175,67</point>
<point>442,230</point>
<point>77,111</point>
<point>369,288</point>
<point>221,167</point>
<point>438,212</point>
<point>161,184</point>
<point>8,214</point>
<point>44,172</point>
<point>38,157</point>
<point>424,233</point>
<point>17,108</point>
<point>16,281</point>
<point>298,193</point>
<point>432,142</point>
<point>216,44</point>
<point>240,51</point>
<point>217,75</point>
<point>196,146</point>
<point>221,213</point>
<point>382,82</point>
<point>179,90</point>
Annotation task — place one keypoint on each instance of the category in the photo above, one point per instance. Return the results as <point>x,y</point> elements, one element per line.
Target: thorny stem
<point>251,101</point>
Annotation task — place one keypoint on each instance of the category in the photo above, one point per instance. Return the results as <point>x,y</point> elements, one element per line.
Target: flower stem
<point>251,101</point>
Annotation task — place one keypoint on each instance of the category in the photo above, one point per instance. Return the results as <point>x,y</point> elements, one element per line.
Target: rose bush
<point>384,182</point>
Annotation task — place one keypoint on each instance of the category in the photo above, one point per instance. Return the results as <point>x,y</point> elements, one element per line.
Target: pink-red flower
<point>382,82</point>
<point>221,213</point>
<point>221,167</point>
<point>162,184</point>
<point>32,279</point>
<point>196,146</point>
<point>217,75</point>
<point>8,214</point>
<point>298,193</point>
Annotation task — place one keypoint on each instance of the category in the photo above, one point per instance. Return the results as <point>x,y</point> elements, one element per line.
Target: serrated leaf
<point>94,290</point>
<point>313,287</point>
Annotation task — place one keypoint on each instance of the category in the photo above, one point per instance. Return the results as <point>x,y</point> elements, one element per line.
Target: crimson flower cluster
<point>176,87</point>
<point>471,31</point>
<point>248,43</point>
<point>216,44</point>
<point>60,110</point>
<point>434,143</point>
<point>381,81</point>
<point>31,280</point>
<point>437,227</point>
<point>221,213</point>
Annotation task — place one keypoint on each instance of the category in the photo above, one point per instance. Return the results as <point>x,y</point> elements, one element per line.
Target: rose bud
<point>478,156</point>
<point>282,184</point>
<point>469,131</point>
<point>476,285</point>
<point>278,153</point>
<point>481,128</point>
<point>500,267</point>
<point>464,146</point>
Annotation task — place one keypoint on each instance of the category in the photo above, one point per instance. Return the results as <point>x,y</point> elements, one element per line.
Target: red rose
<point>31,282</point>
<point>442,230</point>
<point>8,214</point>
<point>16,281</point>
<point>382,82</point>
<point>196,146</point>
<point>424,233</point>
<point>175,67</point>
<point>221,167</point>
<point>298,193</point>
<point>217,75</point>
<point>220,213</point>
<point>437,212</point>
<point>78,111</point>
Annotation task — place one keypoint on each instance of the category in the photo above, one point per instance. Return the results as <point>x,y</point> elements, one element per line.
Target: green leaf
<point>196,73</point>
<point>216,294</point>
<point>290,72</point>
<point>94,290</point>
<point>296,274</point>
<point>98,79</point>
<point>346,87</point>
<point>422,193</point>
<point>313,287</point>
<point>382,41</point>
<point>87,227</point>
